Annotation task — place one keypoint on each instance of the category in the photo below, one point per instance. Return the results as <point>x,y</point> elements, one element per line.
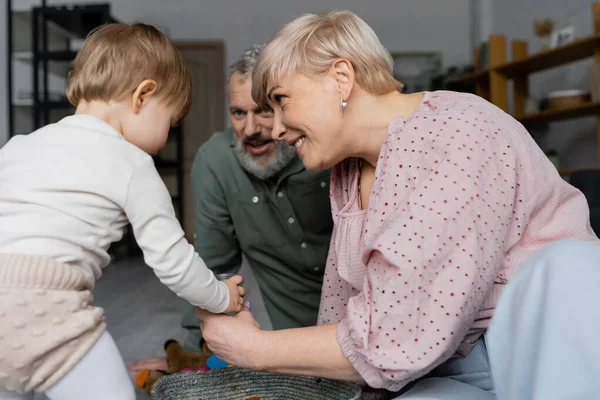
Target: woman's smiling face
<point>308,115</point>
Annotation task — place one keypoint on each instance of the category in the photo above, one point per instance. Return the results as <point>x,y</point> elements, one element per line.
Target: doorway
<point>206,62</point>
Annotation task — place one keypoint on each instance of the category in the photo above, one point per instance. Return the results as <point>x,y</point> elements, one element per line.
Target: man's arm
<point>215,238</point>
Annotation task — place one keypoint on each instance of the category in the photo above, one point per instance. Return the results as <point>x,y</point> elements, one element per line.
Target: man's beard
<point>281,157</point>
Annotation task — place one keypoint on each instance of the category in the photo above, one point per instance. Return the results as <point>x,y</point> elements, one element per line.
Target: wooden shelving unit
<point>574,51</point>
<point>569,171</point>
<point>582,110</point>
<point>492,82</point>
<point>482,75</point>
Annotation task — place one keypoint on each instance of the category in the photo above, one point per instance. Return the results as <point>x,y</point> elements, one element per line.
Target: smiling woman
<point>438,200</point>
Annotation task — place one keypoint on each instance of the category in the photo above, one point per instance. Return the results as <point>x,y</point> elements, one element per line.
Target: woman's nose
<point>279,130</point>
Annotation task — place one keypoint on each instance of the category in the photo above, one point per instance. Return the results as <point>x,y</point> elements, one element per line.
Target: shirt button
<point>323,184</point>
<point>316,269</point>
<point>280,194</point>
<point>467,341</point>
<point>304,245</point>
<point>291,220</point>
<point>255,199</point>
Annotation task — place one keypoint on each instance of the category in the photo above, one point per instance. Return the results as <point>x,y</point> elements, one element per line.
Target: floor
<point>142,313</point>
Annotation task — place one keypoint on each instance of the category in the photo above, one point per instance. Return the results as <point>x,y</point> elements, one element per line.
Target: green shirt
<point>283,226</point>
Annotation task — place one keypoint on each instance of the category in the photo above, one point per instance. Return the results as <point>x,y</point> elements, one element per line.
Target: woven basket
<point>242,384</point>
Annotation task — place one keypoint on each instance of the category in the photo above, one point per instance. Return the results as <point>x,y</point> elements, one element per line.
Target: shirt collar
<point>90,122</point>
<point>294,167</point>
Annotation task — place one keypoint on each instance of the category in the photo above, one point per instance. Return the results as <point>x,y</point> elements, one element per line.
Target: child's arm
<point>149,208</point>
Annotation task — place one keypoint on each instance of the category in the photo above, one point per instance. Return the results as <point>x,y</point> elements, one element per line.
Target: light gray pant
<point>543,343</point>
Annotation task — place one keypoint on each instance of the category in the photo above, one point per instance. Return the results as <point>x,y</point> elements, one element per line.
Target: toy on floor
<point>179,360</point>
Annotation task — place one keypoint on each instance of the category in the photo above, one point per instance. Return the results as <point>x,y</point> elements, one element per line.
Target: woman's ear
<point>343,71</point>
<point>142,94</point>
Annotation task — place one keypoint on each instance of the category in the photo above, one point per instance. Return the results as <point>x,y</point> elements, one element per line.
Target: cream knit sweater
<point>47,322</point>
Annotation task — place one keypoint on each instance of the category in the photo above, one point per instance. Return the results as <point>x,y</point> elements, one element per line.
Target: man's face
<point>256,150</point>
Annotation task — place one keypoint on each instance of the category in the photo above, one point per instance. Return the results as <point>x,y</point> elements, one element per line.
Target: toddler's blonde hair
<point>116,58</point>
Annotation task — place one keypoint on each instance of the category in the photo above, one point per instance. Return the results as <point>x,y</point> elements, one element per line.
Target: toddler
<point>67,191</point>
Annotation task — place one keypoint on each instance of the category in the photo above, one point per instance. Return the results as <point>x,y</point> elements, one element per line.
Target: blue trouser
<point>544,340</point>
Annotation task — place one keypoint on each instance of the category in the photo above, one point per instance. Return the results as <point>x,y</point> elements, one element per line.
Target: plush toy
<point>179,360</point>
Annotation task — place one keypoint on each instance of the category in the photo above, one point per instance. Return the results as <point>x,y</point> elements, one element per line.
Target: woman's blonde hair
<point>310,43</point>
<point>116,58</point>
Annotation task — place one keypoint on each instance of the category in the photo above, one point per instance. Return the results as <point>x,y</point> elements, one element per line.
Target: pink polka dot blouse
<point>461,196</point>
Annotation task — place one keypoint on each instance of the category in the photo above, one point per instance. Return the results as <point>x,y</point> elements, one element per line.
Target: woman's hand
<point>239,341</point>
<point>234,339</point>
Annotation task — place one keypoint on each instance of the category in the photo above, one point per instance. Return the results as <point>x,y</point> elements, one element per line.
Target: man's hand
<point>159,363</point>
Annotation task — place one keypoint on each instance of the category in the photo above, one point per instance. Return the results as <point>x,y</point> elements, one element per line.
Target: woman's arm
<point>312,351</point>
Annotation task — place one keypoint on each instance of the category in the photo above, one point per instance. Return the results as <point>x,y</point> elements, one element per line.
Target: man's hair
<point>116,58</point>
<point>245,64</point>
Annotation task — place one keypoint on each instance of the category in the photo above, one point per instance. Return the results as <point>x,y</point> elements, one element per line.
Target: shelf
<point>25,19</point>
<point>477,76</point>
<point>79,20</point>
<point>23,56</point>
<point>163,164</point>
<point>57,60</point>
<point>55,104</point>
<point>566,171</point>
<point>574,51</point>
<point>583,110</point>
<point>43,104</point>
<point>59,56</point>
<point>571,171</point>
<point>23,103</point>
<point>24,5</point>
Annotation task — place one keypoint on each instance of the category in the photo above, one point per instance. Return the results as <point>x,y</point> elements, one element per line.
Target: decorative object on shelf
<point>447,79</point>
<point>552,155</point>
<point>543,29</point>
<point>594,76</point>
<point>416,70</point>
<point>596,17</point>
<point>477,59</point>
<point>532,105</point>
<point>567,98</point>
<point>562,36</point>
<point>483,55</point>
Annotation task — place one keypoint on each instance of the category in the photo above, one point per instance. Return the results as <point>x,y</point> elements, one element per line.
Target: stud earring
<point>344,104</point>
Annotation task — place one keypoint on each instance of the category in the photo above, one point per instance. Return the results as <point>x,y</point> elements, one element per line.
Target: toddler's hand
<point>236,293</point>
